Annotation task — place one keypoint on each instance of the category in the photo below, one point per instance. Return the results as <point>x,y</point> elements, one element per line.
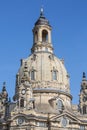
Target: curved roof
<point>44,64</point>
<point>42,20</point>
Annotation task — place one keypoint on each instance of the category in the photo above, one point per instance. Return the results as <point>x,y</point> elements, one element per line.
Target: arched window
<point>59,104</point>
<point>44,36</point>
<point>32,75</point>
<point>54,75</point>
<point>36,36</point>
<point>84,109</point>
<point>21,102</point>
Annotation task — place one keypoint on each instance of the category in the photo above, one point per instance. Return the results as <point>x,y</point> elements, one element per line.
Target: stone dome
<point>45,70</point>
<point>42,75</point>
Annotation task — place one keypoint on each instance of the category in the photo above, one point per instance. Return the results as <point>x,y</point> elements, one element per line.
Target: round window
<point>20,120</point>
<point>64,122</point>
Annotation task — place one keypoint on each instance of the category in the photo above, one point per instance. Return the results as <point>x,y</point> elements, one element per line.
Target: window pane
<point>36,36</point>
<point>22,103</point>
<point>82,128</point>
<point>32,75</point>
<point>54,75</point>
<point>84,109</point>
<point>59,104</point>
<point>41,124</point>
<point>44,36</point>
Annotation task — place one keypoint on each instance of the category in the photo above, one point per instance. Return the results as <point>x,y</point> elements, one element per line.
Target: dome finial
<point>84,76</point>
<point>41,12</point>
<point>4,86</point>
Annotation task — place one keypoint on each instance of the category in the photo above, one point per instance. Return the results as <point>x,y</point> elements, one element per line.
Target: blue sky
<point>69,36</point>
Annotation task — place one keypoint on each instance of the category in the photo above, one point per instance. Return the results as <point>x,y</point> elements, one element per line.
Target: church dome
<point>46,71</point>
<point>43,69</point>
<point>42,75</point>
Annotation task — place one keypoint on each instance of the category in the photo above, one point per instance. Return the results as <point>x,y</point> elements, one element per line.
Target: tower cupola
<point>42,35</point>
<point>42,20</point>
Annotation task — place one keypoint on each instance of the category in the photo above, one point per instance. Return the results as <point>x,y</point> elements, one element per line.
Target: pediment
<point>21,119</point>
<point>70,116</point>
<point>23,115</point>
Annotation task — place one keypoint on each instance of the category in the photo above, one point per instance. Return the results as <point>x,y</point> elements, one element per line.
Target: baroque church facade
<point>42,99</point>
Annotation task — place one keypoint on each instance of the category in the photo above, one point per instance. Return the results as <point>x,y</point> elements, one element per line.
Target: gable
<point>69,116</point>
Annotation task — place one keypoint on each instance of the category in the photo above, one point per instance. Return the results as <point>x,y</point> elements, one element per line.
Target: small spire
<point>4,83</point>
<point>4,86</point>
<point>4,91</point>
<point>41,12</point>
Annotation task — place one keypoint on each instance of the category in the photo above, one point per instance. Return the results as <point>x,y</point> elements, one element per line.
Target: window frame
<point>36,36</point>
<point>41,124</point>
<point>32,74</point>
<point>54,74</point>
<point>21,102</point>
<point>44,35</point>
<point>59,104</point>
<point>82,127</point>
